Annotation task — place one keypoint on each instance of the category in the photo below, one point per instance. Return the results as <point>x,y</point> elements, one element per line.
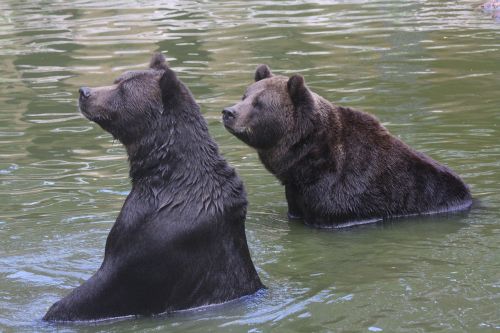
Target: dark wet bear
<point>179,241</point>
<point>339,166</point>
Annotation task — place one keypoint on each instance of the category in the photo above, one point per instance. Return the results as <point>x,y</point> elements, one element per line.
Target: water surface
<point>429,70</point>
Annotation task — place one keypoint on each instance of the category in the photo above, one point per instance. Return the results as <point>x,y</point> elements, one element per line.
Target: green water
<point>430,70</point>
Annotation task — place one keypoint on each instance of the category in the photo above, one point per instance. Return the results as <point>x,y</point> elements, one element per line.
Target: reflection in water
<point>427,69</point>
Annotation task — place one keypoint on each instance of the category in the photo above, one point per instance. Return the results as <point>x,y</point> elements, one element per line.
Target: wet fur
<point>179,241</point>
<point>339,166</point>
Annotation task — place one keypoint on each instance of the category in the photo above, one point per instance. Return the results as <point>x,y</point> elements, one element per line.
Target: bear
<point>339,166</point>
<point>179,240</point>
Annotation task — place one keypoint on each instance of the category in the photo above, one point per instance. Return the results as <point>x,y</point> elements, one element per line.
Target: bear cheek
<point>267,133</point>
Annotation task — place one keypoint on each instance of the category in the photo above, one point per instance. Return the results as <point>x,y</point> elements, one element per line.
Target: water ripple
<point>427,69</point>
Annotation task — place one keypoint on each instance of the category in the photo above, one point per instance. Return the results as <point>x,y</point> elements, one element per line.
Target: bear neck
<point>179,145</point>
<point>300,156</point>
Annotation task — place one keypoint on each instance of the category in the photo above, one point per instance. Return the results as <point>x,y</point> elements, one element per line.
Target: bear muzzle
<point>228,114</point>
<point>83,99</point>
<point>232,121</point>
<point>84,92</point>
<point>229,118</point>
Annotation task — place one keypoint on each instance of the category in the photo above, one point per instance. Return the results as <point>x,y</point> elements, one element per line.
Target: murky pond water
<point>430,70</point>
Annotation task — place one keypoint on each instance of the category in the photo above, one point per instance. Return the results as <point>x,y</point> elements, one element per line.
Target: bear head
<point>137,102</point>
<point>271,108</point>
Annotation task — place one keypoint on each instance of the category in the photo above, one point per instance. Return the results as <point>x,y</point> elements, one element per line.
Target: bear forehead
<point>273,84</point>
<point>129,75</point>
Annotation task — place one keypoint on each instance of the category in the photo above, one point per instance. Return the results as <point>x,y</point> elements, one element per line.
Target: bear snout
<point>84,102</point>
<point>84,92</point>
<point>228,114</point>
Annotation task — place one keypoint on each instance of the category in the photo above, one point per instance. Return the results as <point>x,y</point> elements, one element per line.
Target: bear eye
<point>244,96</point>
<point>257,103</point>
<point>121,87</point>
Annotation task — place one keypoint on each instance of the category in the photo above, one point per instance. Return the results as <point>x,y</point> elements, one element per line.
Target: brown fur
<point>179,241</point>
<point>338,165</point>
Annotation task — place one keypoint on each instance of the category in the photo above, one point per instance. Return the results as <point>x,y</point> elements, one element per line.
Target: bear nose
<point>84,92</point>
<point>228,113</point>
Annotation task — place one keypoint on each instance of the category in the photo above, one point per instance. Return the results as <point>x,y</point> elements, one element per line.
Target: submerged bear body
<point>339,166</point>
<point>179,241</point>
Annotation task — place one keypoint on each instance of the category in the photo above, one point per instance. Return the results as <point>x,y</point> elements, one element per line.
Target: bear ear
<point>262,72</point>
<point>298,91</point>
<point>158,62</point>
<point>170,87</point>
